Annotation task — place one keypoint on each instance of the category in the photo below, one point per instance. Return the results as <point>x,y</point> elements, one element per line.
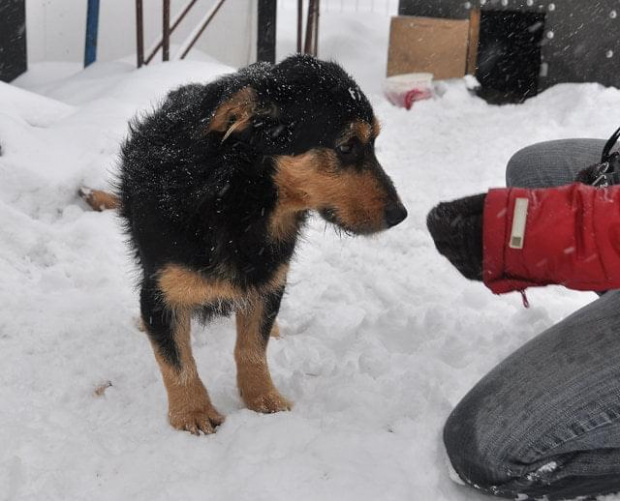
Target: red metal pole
<point>202,28</point>
<point>310,27</point>
<point>300,14</point>
<point>172,28</point>
<point>166,31</point>
<point>140,32</point>
<point>182,15</point>
<point>315,48</point>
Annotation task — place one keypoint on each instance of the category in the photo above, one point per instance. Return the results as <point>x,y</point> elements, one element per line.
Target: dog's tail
<point>99,200</point>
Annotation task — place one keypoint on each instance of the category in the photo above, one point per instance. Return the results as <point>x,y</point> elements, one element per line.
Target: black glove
<point>456,228</point>
<point>606,173</point>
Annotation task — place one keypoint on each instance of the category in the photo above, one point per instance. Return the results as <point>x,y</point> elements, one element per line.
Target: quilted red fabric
<point>571,238</point>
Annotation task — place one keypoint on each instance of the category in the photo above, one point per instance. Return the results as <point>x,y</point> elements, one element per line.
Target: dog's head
<point>316,124</point>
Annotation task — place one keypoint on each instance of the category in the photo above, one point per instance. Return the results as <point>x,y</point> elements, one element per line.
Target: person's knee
<point>551,163</point>
<point>477,447</point>
<point>465,452</point>
<point>522,167</point>
<point>491,452</point>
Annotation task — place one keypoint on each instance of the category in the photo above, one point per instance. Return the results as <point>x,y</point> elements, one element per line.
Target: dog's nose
<point>394,214</point>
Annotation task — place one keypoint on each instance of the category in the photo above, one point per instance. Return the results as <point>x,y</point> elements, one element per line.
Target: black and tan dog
<point>215,188</point>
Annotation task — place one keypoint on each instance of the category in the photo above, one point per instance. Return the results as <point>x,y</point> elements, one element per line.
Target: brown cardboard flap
<point>427,45</point>
<point>474,40</point>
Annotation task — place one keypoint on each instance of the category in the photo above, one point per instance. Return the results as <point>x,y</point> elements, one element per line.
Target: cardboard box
<point>428,45</point>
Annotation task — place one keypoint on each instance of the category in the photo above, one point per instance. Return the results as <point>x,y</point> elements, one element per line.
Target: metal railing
<point>311,43</point>
<point>315,7</point>
<point>168,28</point>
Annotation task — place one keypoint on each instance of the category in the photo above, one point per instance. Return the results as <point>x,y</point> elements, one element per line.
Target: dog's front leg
<point>189,405</point>
<point>254,324</point>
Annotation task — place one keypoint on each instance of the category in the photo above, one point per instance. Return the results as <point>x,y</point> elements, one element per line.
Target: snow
<point>380,336</point>
<point>357,38</point>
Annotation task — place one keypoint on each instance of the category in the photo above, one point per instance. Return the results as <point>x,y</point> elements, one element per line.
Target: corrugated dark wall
<point>581,41</point>
<point>12,39</point>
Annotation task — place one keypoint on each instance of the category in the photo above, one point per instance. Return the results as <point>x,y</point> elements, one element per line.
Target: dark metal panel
<point>266,43</point>
<point>13,59</point>
<point>585,45</point>
<point>580,44</point>
<point>448,9</point>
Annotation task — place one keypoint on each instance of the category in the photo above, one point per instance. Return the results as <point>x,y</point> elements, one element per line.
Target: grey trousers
<point>546,421</point>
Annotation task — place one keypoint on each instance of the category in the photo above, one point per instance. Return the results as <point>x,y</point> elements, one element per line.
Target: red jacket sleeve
<point>568,235</point>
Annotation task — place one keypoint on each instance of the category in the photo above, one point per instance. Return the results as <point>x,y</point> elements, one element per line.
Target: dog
<point>215,187</point>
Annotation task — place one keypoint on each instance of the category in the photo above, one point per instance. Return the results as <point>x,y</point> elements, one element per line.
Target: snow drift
<point>380,336</point>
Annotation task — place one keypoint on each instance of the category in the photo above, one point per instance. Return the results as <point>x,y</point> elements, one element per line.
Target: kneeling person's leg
<point>546,421</point>
<point>552,163</point>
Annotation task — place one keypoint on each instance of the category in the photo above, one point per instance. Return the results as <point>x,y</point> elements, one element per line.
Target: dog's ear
<point>239,111</point>
<point>234,114</point>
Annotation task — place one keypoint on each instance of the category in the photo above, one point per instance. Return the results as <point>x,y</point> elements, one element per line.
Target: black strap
<point>610,144</point>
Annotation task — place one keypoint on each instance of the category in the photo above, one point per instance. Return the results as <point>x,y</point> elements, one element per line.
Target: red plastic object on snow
<point>404,90</point>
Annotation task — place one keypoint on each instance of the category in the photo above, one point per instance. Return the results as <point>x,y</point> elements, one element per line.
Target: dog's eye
<point>345,149</point>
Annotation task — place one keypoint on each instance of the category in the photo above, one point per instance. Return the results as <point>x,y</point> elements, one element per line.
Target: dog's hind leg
<point>189,405</point>
<point>254,325</point>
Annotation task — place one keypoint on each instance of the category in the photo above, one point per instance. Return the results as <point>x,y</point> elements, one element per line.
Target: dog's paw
<point>199,421</point>
<point>275,331</point>
<point>268,402</point>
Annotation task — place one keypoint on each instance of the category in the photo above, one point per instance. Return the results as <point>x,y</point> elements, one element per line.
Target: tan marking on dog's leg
<point>278,280</point>
<point>184,288</point>
<point>189,405</point>
<point>255,383</point>
<point>99,200</point>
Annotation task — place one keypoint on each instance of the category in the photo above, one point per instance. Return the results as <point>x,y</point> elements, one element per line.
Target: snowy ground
<point>381,337</point>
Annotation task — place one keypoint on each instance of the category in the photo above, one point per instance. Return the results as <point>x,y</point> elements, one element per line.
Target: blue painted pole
<point>92,25</point>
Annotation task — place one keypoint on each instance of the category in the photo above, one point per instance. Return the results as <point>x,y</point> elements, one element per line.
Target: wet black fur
<point>190,199</point>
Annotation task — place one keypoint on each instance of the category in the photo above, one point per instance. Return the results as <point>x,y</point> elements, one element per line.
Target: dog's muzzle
<point>395,214</point>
